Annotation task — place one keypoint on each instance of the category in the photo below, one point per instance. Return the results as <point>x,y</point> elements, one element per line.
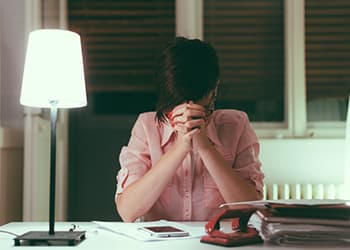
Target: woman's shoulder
<point>222,116</point>
<point>148,121</point>
<point>147,116</point>
<point>231,123</point>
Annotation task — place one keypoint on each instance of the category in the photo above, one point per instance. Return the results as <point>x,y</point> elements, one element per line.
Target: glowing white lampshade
<point>53,70</point>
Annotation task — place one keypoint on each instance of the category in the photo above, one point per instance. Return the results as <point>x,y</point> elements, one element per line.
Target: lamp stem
<point>53,112</point>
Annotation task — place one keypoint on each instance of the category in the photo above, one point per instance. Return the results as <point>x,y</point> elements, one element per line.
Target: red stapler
<point>241,233</point>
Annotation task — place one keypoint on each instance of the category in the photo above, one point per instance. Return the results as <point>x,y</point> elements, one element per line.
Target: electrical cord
<point>8,232</point>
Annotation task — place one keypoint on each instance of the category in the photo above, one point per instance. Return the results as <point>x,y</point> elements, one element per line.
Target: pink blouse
<point>192,194</point>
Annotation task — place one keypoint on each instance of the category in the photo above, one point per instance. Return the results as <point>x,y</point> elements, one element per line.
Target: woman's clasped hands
<point>189,121</point>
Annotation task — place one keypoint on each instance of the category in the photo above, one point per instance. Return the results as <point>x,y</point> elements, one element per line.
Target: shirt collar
<point>168,131</point>
<point>212,133</point>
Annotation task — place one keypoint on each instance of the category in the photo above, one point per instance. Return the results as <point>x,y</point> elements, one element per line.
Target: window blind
<point>327,49</point>
<point>248,36</point>
<point>121,40</point>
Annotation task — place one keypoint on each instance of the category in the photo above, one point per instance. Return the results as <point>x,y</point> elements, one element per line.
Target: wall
<point>303,161</point>
<point>12,28</point>
<point>95,142</point>
<point>11,166</point>
<point>11,113</point>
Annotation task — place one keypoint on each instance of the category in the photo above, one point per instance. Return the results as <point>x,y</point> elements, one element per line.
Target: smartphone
<point>164,231</point>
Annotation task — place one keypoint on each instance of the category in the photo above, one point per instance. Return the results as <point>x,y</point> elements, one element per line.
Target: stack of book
<point>304,222</point>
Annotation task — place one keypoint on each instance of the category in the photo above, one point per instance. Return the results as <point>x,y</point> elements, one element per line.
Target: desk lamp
<point>53,78</point>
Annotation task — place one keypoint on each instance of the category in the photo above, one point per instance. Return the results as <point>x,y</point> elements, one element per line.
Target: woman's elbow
<point>127,218</point>
<point>124,212</point>
<point>126,215</point>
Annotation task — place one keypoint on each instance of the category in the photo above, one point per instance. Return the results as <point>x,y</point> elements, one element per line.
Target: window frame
<point>189,23</point>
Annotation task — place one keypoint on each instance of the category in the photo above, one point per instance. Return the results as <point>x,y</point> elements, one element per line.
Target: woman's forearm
<point>232,186</point>
<point>140,196</point>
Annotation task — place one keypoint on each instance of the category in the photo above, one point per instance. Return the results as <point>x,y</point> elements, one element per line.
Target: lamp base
<point>34,238</point>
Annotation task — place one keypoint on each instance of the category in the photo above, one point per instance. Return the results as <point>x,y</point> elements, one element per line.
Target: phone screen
<point>165,231</point>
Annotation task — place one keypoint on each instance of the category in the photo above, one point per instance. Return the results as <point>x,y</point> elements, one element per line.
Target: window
<point>248,36</point>
<point>303,77</point>
<point>284,62</point>
<point>327,59</point>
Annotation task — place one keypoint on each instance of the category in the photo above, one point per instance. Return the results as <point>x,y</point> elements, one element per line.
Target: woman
<point>186,159</point>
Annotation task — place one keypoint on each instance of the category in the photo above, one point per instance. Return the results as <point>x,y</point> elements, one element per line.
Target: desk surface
<point>100,239</point>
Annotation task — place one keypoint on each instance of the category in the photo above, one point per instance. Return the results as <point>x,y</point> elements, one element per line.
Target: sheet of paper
<point>132,230</point>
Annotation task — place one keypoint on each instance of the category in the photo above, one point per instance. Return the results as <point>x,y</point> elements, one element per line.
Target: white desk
<point>100,239</point>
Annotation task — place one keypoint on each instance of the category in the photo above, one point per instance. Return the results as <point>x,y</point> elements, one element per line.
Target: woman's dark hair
<point>188,70</point>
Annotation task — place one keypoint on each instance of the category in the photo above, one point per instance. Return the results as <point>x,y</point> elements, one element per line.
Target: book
<point>306,222</point>
<point>290,203</point>
<point>321,210</point>
<point>304,234</point>
<point>269,217</point>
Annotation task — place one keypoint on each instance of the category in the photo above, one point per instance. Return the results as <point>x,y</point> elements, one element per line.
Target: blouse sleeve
<point>134,158</point>
<point>247,162</point>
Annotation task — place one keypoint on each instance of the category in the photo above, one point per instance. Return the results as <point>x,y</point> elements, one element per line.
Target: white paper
<point>132,230</point>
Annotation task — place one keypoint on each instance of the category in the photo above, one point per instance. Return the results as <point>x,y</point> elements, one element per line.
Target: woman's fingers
<point>186,112</point>
<point>197,123</point>
<point>188,115</point>
<point>189,125</point>
<point>192,105</point>
<point>193,132</point>
<point>189,133</point>
<point>178,110</point>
